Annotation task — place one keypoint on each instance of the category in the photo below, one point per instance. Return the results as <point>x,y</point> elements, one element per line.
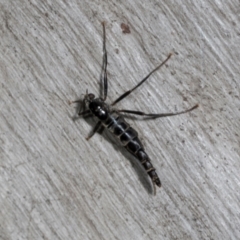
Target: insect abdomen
<point>129,139</point>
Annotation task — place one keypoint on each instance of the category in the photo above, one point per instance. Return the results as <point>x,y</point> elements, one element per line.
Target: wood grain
<point>56,185</point>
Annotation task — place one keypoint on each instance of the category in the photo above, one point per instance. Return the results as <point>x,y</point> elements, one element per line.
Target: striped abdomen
<point>129,139</point>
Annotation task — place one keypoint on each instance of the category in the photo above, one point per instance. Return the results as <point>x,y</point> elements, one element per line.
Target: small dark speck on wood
<point>125,28</point>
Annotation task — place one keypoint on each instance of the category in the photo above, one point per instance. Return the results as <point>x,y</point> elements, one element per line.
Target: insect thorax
<point>99,108</point>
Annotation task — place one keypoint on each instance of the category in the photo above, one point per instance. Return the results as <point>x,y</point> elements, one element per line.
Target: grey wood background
<point>56,185</point>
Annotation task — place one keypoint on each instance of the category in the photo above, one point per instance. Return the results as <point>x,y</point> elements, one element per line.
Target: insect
<point>111,119</point>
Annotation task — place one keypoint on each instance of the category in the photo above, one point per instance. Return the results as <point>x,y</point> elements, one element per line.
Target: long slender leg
<point>156,115</point>
<point>131,90</point>
<point>84,112</point>
<point>104,80</point>
<point>81,113</point>
<point>81,110</point>
<point>97,127</point>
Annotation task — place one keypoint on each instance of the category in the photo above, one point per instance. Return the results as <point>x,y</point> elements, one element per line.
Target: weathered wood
<point>56,185</point>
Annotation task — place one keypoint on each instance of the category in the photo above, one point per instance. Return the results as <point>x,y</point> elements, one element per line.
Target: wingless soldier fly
<point>110,118</point>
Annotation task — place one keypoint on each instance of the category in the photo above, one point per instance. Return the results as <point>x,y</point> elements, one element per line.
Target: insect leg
<point>131,90</point>
<point>84,112</point>
<point>97,127</point>
<point>155,115</point>
<point>104,80</point>
<point>81,110</point>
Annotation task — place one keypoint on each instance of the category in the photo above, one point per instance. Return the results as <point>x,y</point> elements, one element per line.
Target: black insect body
<point>124,132</point>
<point>110,118</point>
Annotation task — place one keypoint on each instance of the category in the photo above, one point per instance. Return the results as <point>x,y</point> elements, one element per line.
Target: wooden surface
<point>56,185</point>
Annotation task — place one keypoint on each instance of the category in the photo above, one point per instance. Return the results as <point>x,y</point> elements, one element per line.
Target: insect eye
<point>91,96</point>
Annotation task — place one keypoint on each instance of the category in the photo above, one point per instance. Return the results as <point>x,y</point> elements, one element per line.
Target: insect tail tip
<point>156,182</point>
<point>154,188</point>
